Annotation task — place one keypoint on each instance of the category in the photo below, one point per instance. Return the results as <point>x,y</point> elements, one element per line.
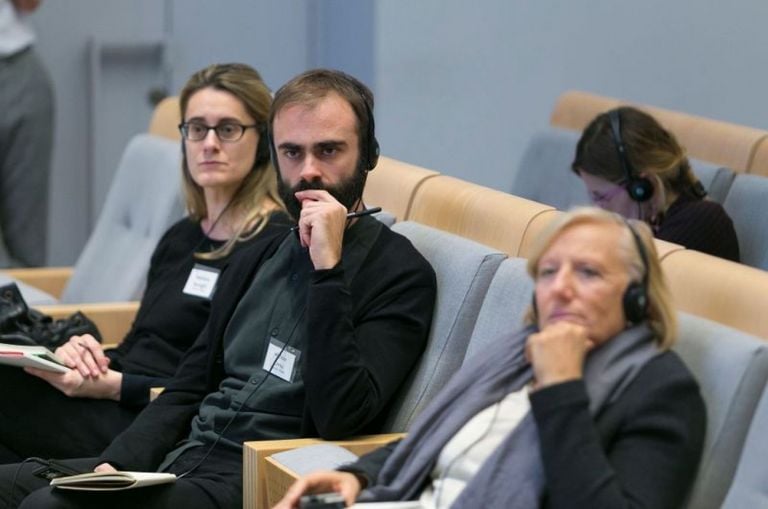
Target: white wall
<point>272,36</point>
<point>461,86</point>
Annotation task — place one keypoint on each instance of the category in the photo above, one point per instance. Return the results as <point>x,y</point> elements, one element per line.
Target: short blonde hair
<point>661,315</point>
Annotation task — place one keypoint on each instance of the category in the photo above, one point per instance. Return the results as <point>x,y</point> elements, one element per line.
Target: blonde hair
<point>260,185</point>
<point>661,315</point>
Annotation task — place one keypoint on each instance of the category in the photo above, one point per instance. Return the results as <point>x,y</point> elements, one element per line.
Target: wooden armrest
<point>154,392</point>
<point>256,490</point>
<point>48,279</point>
<point>114,319</point>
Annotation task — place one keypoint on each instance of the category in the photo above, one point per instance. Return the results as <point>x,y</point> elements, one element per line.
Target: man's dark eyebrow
<point>288,146</point>
<point>331,144</point>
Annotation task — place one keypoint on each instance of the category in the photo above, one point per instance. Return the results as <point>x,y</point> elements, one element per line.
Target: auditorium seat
<point>393,184</point>
<point>503,310</point>
<point>464,270</point>
<point>479,213</point>
<point>544,173</point>
<point>166,119</point>
<point>732,370</point>
<point>750,484</point>
<point>721,143</point>
<point>759,165</point>
<point>719,290</point>
<point>747,204</point>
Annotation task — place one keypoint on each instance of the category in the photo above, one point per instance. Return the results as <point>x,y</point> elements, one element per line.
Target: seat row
<point>544,175</point>
<point>483,293</point>
<point>723,291</point>
<point>742,148</point>
<point>724,152</point>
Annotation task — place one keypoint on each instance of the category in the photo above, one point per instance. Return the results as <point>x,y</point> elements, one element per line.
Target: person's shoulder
<point>704,211</point>
<point>273,232</point>
<point>184,227</point>
<point>666,371</point>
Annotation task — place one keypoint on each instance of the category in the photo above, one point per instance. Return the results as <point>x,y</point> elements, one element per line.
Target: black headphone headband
<point>636,295</point>
<point>370,146</point>
<point>638,188</point>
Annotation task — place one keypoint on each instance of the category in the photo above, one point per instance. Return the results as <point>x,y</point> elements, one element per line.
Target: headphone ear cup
<point>272,153</point>
<point>635,303</point>
<point>373,153</point>
<point>640,189</point>
<point>264,150</point>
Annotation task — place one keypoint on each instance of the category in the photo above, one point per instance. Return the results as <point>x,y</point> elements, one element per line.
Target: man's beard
<point>348,191</point>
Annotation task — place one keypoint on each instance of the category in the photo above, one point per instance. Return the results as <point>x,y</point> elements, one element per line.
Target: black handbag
<point>20,325</point>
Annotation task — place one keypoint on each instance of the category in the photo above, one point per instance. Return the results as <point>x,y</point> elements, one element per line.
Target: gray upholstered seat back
<point>716,180</point>
<point>731,368</point>
<point>750,485</point>
<point>144,199</point>
<point>464,270</point>
<point>504,306</point>
<point>747,204</point>
<point>544,174</point>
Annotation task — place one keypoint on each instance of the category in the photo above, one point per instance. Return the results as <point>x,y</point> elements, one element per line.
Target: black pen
<point>352,215</point>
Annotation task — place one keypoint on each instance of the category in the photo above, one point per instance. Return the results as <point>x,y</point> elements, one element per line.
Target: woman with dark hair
<point>633,166</point>
<point>232,200</point>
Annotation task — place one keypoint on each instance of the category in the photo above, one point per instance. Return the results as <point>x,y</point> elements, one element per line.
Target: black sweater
<point>169,321</point>
<point>367,333</point>
<point>702,225</point>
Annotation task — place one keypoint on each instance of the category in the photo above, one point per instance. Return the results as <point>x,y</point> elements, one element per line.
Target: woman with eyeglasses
<point>633,166</point>
<point>233,204</point>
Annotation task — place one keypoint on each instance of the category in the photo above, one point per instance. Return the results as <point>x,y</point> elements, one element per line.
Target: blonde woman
<point>231,194</point>
<point>585,407</point>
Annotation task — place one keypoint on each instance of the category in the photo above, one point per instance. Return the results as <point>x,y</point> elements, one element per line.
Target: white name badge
<point>284,366</point>
<point>201,281</point>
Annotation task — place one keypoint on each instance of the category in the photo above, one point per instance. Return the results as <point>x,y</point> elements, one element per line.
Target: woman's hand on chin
<point>557,353</point>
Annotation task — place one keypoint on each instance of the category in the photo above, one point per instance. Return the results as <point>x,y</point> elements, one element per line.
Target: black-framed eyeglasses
<point>226,131</point>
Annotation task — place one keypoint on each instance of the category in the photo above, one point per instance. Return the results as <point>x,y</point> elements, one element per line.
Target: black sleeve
<point>164,422</point>
<point>155,265</point>
<point>364,342</point>
<point>369,465</point>
<point>648,461</point>
<point>134,389</point>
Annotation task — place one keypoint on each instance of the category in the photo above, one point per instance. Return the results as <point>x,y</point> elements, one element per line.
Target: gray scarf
<point>513,475</point>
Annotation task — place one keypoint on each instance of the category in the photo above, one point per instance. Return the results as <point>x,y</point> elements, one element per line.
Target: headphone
<point>370,154</point>
<point>369,148</point>
<point>639,188</point>
<point>635,298</point>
